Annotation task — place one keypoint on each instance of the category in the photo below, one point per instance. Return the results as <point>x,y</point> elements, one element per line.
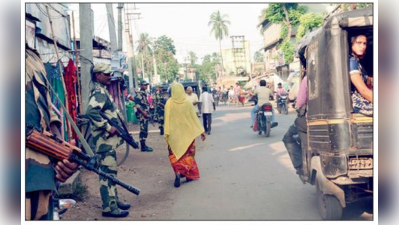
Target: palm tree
<point>219,28</point>
<point>143,48</point>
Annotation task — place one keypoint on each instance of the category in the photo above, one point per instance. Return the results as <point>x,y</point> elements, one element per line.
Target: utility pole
<point>154,61</point>
<point>134,14</point>
<point>86,47</point>
<point>111,28</point>
<point>120,7</point>
<point>131,59</point>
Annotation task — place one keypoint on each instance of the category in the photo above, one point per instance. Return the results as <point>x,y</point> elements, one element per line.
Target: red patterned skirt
<point>186,165</point>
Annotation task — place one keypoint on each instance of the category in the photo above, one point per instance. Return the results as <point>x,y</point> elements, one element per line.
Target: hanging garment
<point>70,79</point>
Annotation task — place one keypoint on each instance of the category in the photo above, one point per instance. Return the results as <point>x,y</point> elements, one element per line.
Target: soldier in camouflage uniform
<point>41,170</point>
<point>105,139</point>
<point>142,114</point>
<point>159,108</point>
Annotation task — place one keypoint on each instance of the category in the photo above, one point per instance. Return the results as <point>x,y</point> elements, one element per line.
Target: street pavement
<point>245,176</point>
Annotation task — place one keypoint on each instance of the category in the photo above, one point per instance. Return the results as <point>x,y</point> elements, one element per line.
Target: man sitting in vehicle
<point>263,93</point>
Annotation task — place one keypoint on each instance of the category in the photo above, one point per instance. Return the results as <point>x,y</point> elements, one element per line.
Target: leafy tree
<point>216,58</point>
<point>352,6</point>
<point>207,70</point>
<point>165,43</point>
<point>219,28</point>
<point>308,22</point>
<point>288,15</point>
<point>167,65</point>
<point>258,56</point>
<point>193,58</point>
<point>288,51</point>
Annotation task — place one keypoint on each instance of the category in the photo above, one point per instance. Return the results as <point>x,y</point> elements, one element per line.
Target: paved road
<point>245,176</point>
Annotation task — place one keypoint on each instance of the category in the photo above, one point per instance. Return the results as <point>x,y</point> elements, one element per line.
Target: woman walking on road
<point>181,128</point>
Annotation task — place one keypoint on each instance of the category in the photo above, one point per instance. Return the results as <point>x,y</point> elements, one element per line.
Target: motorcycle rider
<point>280,91</point>
<point>263,93</point>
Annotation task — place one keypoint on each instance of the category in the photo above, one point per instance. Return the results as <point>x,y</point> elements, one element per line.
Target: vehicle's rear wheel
<point>268,128</point>
<point>329,206</point>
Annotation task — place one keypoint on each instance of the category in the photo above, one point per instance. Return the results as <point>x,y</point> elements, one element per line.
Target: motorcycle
<point>264,120</point>
<point>61,206</point>
<point>282,105</point>
<point>216,98</point>
<point>224,97</point>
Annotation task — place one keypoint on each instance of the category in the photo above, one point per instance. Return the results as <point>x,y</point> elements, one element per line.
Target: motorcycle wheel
<point>267,128</point>
<point>285,109</point>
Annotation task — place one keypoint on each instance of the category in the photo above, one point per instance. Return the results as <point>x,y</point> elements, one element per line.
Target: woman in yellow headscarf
<point>181,128</point>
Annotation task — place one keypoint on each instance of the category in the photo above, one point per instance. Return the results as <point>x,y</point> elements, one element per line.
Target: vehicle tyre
<point>329,206</point>
<point>285,109</point>
<point>353,211</point>
<point>267,128</point>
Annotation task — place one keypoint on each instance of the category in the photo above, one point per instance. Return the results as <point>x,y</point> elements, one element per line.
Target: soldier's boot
<point>115,213</point>
<point>161,130</point>
<point>124,206</point>
<point>144,147</point>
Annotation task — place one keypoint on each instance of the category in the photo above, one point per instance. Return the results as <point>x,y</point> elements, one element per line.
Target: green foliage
<point>219,28</point>
<point>296,13</point>
<point>287,14</point>
<point>193,58</point>
<point>219,24</point>
<point>216,58</point>
<point>275,13</point>
<point>207,70</point>
<point>143,44</point>
<point>284,32</point>
<point>258,57</point>
<point>165,43</point>
<point>308,22</point>
<point>288,51</point>
<point>364,5</point>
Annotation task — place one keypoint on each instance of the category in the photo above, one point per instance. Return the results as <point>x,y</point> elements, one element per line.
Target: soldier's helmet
<point>102,68</point>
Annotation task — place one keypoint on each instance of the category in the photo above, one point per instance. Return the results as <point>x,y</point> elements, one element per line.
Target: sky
<point>187,24</point>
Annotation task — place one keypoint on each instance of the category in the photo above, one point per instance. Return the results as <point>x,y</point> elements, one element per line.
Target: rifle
<point>123,132</point>
<point>52,146</point>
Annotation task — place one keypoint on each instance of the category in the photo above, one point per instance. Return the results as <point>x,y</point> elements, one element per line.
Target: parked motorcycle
<point>264,120</point>
<point>282,105</point>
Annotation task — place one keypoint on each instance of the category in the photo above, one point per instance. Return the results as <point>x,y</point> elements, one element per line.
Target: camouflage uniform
<point>39,173</point>
<point>159,109</point>
<point>101,101</point>
<point>141,102</point>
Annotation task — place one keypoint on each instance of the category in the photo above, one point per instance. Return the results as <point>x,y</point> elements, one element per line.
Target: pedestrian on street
<point>105,139</point>
<point>41,173</point>
<point>159,102</point>
<point>207,103</point>
<point>237,91</point>
<point>143,115</point>
<point>182,126</point>
<point>193,98</point>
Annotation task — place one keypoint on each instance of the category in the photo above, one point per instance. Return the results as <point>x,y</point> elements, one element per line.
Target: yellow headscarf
<point>182,125</point>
